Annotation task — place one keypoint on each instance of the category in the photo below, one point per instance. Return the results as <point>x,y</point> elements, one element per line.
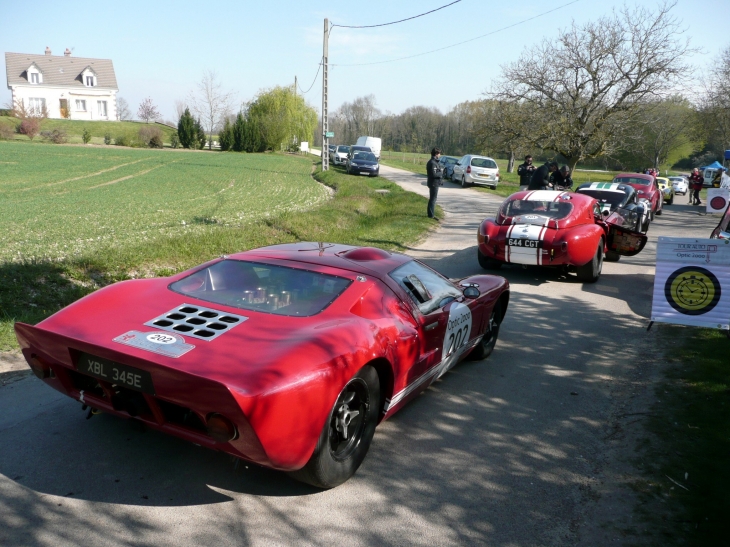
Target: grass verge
<point>686,465</point>
<point>358,214</point>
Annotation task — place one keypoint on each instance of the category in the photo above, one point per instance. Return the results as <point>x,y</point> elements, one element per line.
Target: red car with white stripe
<point>547,228</point>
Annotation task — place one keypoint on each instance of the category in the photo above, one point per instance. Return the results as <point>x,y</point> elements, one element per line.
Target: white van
<point>374,143</point>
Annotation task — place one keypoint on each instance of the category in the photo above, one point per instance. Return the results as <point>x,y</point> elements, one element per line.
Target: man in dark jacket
<point>525,171</point>
<point>562,178</point>
<point>434,174</point>
<point>541,177</point>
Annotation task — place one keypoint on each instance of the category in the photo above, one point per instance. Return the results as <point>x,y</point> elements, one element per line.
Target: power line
<point>315,79</point>
<point>460,43</point>
<point>399,21</point>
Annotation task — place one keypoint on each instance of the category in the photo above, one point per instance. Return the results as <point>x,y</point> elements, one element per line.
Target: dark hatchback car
<point>623,198</point>
<point>363,163</point>
<point>447,164</point>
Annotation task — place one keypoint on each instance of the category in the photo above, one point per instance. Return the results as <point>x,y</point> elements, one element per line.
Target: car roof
<point>635,175</point>
<point>606,187</point>
<point>365,260</point>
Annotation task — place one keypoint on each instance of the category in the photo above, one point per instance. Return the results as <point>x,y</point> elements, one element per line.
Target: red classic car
<point>286,356</point>
<point>647,188</point>
<point>547,228</point>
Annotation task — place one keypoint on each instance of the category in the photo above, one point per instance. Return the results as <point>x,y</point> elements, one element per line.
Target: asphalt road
<point>512,451</point>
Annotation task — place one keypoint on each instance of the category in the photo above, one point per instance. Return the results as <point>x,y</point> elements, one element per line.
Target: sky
<point>161,49</point>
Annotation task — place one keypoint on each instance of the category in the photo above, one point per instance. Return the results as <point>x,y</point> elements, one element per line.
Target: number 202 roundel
<point>219,354</point>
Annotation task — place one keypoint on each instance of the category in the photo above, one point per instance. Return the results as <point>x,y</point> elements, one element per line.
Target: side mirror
<point>471,292</point>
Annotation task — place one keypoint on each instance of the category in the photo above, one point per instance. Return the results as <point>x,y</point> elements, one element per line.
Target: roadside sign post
<point>717,200</point>
<point>330,134</point>
<point>692,283</point>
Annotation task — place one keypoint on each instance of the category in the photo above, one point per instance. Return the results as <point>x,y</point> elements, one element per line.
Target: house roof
<point>59,70</point>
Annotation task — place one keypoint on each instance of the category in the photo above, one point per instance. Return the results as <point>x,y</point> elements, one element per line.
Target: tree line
<point>616,92</point>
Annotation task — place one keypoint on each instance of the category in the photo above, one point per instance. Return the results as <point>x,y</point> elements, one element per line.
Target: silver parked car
<point>680,185</point>
<point>339,155</point>
<point>472,169</point>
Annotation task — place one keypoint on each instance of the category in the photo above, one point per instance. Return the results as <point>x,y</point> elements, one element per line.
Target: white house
<point>68,87</point>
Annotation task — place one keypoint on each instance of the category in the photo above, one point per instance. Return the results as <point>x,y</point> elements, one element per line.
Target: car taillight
<point>220,428</point>
<point>468,169</point>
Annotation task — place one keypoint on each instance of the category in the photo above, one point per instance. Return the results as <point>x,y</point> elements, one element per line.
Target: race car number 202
<point>115,373</point>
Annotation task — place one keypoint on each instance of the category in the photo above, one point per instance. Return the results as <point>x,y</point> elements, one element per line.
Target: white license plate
<point>364,172</point>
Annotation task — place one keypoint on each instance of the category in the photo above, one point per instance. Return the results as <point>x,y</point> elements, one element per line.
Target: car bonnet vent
<point>196,321</point>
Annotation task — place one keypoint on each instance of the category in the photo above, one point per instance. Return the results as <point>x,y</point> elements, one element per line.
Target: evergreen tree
<point>200,135</point>
<point>186,130</point>
<point>239,133</point>
<point>226,136</point>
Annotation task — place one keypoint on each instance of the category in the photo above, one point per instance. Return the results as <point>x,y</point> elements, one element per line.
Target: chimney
<point>67,53</point>
<point>48,50</point>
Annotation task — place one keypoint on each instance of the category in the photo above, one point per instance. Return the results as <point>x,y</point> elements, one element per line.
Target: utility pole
<point>325,140</point>
<point>295,86</point>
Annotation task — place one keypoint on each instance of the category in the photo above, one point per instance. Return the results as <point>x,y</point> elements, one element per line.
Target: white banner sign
<point>717,199</point>
<point>692,282</point>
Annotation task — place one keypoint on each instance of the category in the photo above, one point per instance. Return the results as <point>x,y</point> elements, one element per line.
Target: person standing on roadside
<point>525,171</point>
<point>696,180</point>
<point>541,177</point>
<point>434,175</point>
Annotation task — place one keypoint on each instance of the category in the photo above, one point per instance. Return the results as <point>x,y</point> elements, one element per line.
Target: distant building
<point>66,86</point>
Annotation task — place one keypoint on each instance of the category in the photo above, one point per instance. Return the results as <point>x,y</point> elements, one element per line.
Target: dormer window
<point>90,80</point>
<point>35,78</point>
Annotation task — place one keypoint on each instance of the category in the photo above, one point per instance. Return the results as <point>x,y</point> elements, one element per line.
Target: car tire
<point>671,201</point>
<point>612,256</point>
<point>486,346</point>
<point>488,263</point>
<point>463,182</point>
<point>590,272</point>
<point>337,457</point>
<point>658,212</point>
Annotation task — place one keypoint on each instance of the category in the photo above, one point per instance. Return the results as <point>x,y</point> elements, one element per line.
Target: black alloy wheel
<point>612,256</point>
<point>346,437</point>
<point>485,348</point>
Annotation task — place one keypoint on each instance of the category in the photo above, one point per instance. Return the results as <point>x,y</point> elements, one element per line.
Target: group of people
<point>545,177</point>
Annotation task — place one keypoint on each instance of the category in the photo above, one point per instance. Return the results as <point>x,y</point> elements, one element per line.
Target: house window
<point>90,81</point>
<point>102,108</point>
<point>37,106</point>
<point>34,78</point>
<point>81,105</point>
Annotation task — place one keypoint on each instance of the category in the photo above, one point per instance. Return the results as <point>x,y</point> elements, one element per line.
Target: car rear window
<point>483,162</point>
<point>263,287</point>
<point>606,196</point>
<point>535,212</point>
<point>632,180</point>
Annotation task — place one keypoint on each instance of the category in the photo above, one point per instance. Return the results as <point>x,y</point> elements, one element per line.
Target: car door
<point>622,236</point>
<point>458,169</point>
<point>448,323</point>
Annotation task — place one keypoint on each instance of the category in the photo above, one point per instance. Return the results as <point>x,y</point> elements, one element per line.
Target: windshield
<point>262,287</point>
<point>632,180</point>
<point>449,161</point>
<point>535,212</point>
<point>364,156</point>
<point>483,162</point>
<point>344,149</point>
<point>612,198</point>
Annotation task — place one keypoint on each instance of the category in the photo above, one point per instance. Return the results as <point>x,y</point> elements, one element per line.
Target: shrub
<point>200,135</point>
<point>107,138</point>
<point>57,136</point>
<point>29,127</point>
<point>121,140</point>
<point>86,136</point>
<point>155,142</point>
<point>6,131</point>
<point>174,140</point>
<point>147,133</point>
<point>226,136</point>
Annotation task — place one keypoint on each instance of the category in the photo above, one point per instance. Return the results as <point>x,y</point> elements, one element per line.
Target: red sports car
<point>287,356</point>
<point>647,188</point>
<point>547,228</point>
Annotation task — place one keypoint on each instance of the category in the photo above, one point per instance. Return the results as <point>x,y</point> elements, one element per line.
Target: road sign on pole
<point>329,134</point>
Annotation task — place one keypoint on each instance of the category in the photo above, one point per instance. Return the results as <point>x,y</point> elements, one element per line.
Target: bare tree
<point>715,103</point>
<point>123,112</point>
<point>180,107</point>
<point>582,90</point>
<point>503,126</point>
<point>210,103</point>
<point>148,111</point>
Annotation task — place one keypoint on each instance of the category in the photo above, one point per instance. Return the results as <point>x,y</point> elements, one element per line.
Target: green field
<point>75,128</point>
<point>76,218</point>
